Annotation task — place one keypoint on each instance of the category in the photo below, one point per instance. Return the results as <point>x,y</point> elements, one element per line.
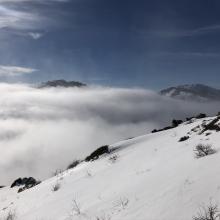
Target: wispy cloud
<point>11,18</point>
<point>15,70</point>
<point>19,1</point>
<point>204,30</point>
<point>191,54</point>
<point>29,18</point>
<point>181,32</point>
<point>35,35</point>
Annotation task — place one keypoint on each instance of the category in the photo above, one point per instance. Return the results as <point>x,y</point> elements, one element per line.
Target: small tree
<point>203,150</point>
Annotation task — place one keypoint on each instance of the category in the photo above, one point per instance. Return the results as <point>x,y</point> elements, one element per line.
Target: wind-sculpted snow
<point>42,130</point>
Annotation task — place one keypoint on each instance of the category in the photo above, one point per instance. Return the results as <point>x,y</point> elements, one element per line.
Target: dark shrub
<point>166,128</point>
<point>17,182</point>
<point>28,186</point>
<point>189,119</point>
<point>25,182</point>
<point>201,115</point>
<point>30,181</point>
<point>203,150</point>
<point>21,189</point>
<point>212,125</point>
<point>100,151</point>
<point>175,122</point>
<point>207,134</point>
<point>154,131</point>
<point>73,164</point>
<point>162,129</point>
<point>183,138</point>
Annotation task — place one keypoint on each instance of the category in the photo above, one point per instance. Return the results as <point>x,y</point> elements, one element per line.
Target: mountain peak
<point>192,92</point>
<point>61,83</point>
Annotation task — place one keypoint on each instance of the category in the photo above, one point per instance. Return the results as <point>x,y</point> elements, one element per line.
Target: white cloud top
<point>37,126</point>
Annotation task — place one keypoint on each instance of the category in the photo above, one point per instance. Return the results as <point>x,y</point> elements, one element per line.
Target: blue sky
<point>152,44</point>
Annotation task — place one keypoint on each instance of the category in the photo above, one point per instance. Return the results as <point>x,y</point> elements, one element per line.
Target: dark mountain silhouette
<point>61,83</point>
<point>194,92</point>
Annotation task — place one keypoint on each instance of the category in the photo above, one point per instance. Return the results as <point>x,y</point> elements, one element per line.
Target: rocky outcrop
<point>25,183</point>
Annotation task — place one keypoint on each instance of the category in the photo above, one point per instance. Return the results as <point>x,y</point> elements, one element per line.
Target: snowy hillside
<point>151,177</point>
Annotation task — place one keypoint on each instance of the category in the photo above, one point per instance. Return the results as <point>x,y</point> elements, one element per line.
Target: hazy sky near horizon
<point>147,43</point>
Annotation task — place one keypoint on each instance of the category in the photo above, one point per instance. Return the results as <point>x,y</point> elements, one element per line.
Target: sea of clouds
<point>42,130</point>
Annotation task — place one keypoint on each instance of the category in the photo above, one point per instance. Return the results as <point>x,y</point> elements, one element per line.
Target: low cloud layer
<point>42,130</point>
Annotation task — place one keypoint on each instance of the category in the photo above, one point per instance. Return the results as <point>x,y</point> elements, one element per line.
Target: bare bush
<point>76,210</point>
<point>103,217</point>
<point>211,212</point>
<point>113,158</point>
<point>88,173</point>
<point>11,215</point>
<point>57,172</point>
<point>56,187</point>
<point>122,202</point>
<point>202,150</point>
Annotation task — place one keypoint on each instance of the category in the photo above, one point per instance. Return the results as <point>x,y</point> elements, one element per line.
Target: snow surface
<point>154,177</point>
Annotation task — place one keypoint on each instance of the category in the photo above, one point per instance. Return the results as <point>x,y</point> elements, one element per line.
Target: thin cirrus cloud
<point>185,33</point>
<point>20,1</point>
<point>15,17</point>
<point>15,70</point>
<point>35,35</point>
<point>10,18</point>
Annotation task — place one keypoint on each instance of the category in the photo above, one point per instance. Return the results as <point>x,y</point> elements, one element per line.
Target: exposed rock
<point>26,183</point>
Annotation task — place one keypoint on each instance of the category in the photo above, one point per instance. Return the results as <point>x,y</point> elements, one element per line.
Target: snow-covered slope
<point>154,177</point>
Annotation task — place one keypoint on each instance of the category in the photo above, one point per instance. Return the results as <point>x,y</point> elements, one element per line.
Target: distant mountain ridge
<point>193,92</point>
<point>61,83</point>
